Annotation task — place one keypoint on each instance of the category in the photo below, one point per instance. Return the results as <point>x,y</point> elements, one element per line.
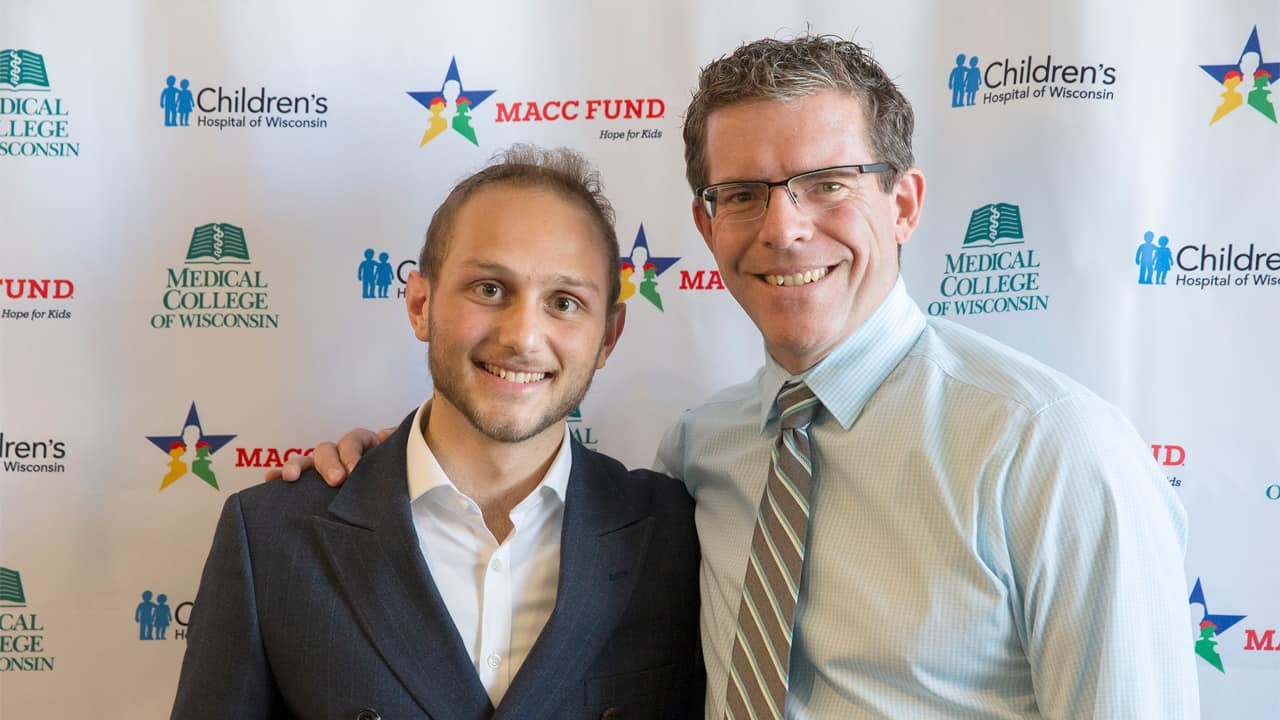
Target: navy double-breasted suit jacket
<point>316,603</point>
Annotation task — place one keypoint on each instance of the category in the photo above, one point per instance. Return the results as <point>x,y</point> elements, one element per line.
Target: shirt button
<point>493,661</point>
<point>496,565</point>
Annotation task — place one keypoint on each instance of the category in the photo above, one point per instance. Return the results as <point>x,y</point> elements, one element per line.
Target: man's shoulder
<point>977,361</point>
<point>308,496</point>
<point>728,404</point>
<point>641,488</point>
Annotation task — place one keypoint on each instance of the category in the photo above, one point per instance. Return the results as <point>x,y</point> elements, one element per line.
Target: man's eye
<point>565,304</point>
<point>737,197</point>
<point>489,290</point>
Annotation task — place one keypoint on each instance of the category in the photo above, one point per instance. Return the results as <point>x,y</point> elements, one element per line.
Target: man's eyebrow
<point>558,279</point>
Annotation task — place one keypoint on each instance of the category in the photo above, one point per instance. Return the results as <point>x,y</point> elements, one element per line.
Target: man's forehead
<point>763,138</point>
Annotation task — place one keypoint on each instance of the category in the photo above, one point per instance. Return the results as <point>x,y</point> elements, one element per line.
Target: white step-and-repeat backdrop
<point>191,194</point>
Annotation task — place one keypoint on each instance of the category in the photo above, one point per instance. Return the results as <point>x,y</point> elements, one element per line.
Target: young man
<point>899,517</point>
<point>479,563</point>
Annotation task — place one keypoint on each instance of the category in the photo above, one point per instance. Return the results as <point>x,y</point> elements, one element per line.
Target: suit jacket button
<point>367,714</point>
<point>611,713</point>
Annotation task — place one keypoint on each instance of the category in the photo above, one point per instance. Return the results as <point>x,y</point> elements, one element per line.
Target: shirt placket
<point>496,608</point>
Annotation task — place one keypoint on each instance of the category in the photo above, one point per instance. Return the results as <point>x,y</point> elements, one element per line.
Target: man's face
<point>517,320</point>
<point>854,244</point>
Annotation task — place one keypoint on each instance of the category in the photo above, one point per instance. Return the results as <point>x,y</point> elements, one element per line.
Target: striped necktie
<point>762,647</point>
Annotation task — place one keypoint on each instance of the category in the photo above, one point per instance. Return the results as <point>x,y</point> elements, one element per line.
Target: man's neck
<point>496,475</point>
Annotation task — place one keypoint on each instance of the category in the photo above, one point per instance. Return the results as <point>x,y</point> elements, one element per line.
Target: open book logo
<point>994,225</point>
<point>1248,80</point>
<point>22,69</point>
<point>11,594</point>
<point>220,243</point>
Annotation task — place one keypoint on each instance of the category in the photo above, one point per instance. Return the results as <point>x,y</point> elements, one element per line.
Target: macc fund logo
<point>639,271</point>
<point>216,287</point>
<point>224,108</point>
<point>1211,626</point>
<point>34,123</point>
<point>972,81</point>
<point>22,640</point>
<point>1159,261</point>
<point>191,452</point>
<point>1247,81</point>
<point>995,271</point>
<point>19,297</point>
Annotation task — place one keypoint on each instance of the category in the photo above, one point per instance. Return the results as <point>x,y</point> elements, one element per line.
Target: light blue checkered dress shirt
<point>988,538</point>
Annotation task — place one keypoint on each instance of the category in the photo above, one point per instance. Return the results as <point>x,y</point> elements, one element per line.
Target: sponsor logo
<point>450,107</point>
<point>224,108</point>
<point>33,122</point>
<point>1170,456</point>
<point>1210,627</point>
<point>21,630</point>
<point>597,109</point>
<point>23,289</point>
<point>1203,267</point>
<point>1273,492</point>
<point>32,456</point>
<point>268,457</point>
<point>1250,74</point>
<point>640,272</point>
<point>191,435</point>
<point>581,431</point>
<point>228,295</point>
<point>375,275</point>
<point>995,271</point>
<point>970,82</point>
<point>155,614</point>
<point>701,280</point>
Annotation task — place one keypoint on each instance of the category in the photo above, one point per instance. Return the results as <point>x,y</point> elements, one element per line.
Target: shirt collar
<point>425,473</point>
<point>849,375</point>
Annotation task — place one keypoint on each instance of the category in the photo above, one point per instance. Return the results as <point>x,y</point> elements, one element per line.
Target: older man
<point>899,517</point>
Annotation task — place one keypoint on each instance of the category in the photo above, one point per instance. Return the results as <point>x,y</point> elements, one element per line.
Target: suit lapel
<point>602,547</point>
<point>373,548</point>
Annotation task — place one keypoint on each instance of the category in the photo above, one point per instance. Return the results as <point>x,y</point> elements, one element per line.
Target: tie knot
<point>796,405</point>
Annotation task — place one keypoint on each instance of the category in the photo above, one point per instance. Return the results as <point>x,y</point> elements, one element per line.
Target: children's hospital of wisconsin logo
<point>228,295</point>
<point>1249,70</point>
<point>454,98</point>
<point>1203,267</point>
<point>155,613</point>
<point>1003,81</point>
<point>22,647</point>
<point>223,108</point>
<point>647,267</point>
<point>990,274</point>
<point>191,435</point>
<point>375,275</point>
<point>33,123</point>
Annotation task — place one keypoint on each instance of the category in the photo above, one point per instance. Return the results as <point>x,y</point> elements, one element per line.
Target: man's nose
<point>520,328</point>
<point>784,221</point>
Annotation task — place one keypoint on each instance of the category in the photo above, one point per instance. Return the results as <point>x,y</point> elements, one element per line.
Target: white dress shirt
<point>498,594</point>
<point>988,539</point>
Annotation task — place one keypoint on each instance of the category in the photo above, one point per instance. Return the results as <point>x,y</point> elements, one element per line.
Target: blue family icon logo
<point>223,108</point>
<point>987,275</point>
<point>1154,259</point>
<point>177,102</point>
<point>648,267</point>
<point>375,276</point>
<point>1250,70</point>
<point>33,123</point>
<point>153,616</point>
<point>21,629</point>
<point>964,81</point>
<point>452,97</point>
<point>226,295</point>
<point>1210,627</point>
<point>191,434</point>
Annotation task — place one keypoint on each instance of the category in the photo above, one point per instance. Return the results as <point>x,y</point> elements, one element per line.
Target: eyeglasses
<point>814,192</point>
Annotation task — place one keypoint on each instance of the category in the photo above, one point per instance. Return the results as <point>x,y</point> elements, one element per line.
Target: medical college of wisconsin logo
<point>191,436</point>
<point>994,272</point>
<point>640,272</point>
<point>230,294</point>
<point>22,641</point>
<point>33,122</point>
<point>1252,72</point>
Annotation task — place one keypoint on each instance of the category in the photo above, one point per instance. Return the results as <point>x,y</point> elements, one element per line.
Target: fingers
<point>326,461</point>
<point>332,462</point>
<point>354,444</point>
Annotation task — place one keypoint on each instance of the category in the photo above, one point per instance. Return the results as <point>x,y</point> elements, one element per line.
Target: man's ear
<point>703,222</point>
<point>908,198</point>
<point>613,324</point>
<point>417,301</point>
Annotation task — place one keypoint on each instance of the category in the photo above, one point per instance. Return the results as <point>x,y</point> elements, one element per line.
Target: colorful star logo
<point>1211,626</point>
<point>175,446</point>
<point>650,268</point>
<point>1258,84</point>
<point>437,102</point>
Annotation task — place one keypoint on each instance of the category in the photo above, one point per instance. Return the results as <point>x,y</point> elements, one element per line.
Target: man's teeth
<point>803,278</point>
<point>513,376</point>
